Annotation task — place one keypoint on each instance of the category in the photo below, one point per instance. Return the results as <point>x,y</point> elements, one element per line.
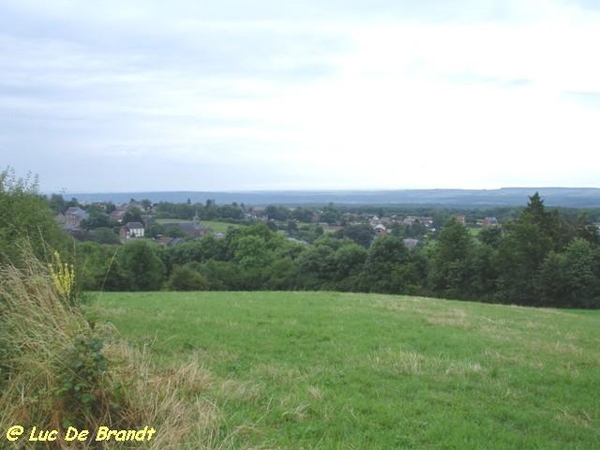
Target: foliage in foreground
<point>58,370</point>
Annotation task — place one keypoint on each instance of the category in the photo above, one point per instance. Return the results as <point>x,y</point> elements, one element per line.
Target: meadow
<point>215,225</point>
<point>304,370</point>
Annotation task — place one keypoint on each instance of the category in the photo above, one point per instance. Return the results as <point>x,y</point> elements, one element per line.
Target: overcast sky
<point>314,94</point>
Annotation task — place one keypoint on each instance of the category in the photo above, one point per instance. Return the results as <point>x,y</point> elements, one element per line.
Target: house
<point>132,230</point>
<point>490,222</point>
<point>74,216</point>
<point>117,215</point>
<point>380,230</point>
<point>192,229</point>
<point>425,221</point>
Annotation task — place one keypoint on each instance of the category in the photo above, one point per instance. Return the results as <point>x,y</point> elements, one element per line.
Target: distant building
<point>74,216</point>
<point>425,221</point>
<point>117,215</point>
<point>380,230</point>
<point>192,229</point>
<point>490,222</point>
<point>132,230</point>
<point>461,219</point>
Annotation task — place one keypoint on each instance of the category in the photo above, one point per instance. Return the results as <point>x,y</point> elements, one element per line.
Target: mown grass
<point>352,371</point>
<point>219,227</point>
<point>214,225</point>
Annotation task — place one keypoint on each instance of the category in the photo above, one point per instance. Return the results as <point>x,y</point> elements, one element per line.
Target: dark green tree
<point>383,265</point>
<point>317,266</point>
<point>571,278</point>
<point>349,262</point>
<point>133,214</point>
<point>452,266</point>
<point>524,247</point>
<point>144,268</point>
<point>25,217</point>
<point>278,213</point>
<point>362,234</point>
<point>185,278</point>
<point>105,236</point>
<point>57,203</point>
<point>97,218</point>
<point>520,256</point>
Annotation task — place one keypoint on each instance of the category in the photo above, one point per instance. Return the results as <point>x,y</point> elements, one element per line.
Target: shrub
<point>184,278</point>
<point>58,370</point>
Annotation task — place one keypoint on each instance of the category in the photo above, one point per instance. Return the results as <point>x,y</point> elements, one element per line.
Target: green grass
<point>474,231</point>
<point>216,226</point>
<point>353,371</point>
<point>163,221</point>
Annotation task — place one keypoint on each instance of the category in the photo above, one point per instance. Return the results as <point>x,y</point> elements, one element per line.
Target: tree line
<point>540,258</point>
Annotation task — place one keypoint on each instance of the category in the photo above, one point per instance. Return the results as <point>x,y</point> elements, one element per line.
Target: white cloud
<point>284,96</point>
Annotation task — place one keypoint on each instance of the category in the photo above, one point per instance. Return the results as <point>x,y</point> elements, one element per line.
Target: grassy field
<point>216,226</point>
<point>353,371</point>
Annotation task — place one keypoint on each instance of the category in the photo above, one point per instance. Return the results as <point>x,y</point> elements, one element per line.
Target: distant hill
<point>567,197</point>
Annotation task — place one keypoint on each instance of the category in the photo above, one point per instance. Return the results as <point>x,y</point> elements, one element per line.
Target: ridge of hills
<point>514,196</point>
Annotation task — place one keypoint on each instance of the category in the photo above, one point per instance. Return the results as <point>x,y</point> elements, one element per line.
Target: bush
<point>184,278</point>
<point>58,370</point>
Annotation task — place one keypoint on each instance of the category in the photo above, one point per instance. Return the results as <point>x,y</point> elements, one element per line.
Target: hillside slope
<point>330,370</point>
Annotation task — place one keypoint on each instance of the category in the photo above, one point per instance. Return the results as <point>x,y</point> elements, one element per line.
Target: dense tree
<point>155,230</point>
<point>304,215</point>
<point>222,275</point>
<point>383,265</point>
<point>185,278</point>
<point>133,214</point>
<point>282,275</point>
<point>144,268</point>
<point>25,216</point>
<point>105,236</point>
<point>547,221</point>
<point>571,278</point>
<point>99,267</point>
<point>520,256</point>
<point>523,249</point>
<point>349,260</point>
<point>362,234</point>
<point>539,258</point>
<point>279,213</point>
<point>97,218</point>
<point>317,265</point>
<point>57,203</point>
<point>330,214</point>
<point>491,236</point>
<point>110,208</point>
<point>452,265</point>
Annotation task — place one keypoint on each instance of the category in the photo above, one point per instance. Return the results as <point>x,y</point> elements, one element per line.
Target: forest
<point>534,256</point>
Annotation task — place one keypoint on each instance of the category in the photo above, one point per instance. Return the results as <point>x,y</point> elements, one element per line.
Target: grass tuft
<point>59,370</point>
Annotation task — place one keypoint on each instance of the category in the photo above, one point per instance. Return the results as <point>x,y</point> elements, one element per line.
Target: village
<point>146,220</point>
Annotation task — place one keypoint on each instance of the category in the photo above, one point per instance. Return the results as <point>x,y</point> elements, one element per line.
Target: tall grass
<point>59,370</point>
